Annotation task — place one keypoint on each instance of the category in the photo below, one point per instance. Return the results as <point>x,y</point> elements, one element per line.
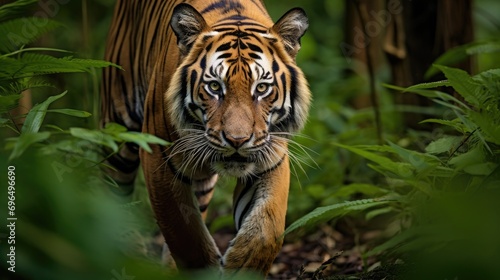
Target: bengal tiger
<point>217,79</point>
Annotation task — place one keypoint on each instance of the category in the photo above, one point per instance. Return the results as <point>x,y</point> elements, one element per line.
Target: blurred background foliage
<point>69,228</point>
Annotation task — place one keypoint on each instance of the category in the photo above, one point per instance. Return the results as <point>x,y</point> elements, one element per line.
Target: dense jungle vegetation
<point>397,189</point>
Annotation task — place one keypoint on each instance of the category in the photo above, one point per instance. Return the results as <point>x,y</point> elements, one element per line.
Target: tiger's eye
<point>262,88</point>
<point>214,86</point>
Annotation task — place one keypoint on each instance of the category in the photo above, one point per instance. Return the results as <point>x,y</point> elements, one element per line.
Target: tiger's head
<point>238,94</point>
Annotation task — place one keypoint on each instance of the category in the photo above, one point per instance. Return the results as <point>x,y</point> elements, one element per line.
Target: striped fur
<point>217,79</point>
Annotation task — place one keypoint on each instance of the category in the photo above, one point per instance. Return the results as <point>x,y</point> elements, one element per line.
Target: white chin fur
<point>235,169</point>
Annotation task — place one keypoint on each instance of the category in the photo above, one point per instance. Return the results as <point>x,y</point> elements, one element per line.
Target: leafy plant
<point>66,228</point>
<point>443,195</point>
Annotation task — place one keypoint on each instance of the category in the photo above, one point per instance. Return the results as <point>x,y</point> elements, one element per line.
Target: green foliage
<point>326,213</point>
<point>434,191</point>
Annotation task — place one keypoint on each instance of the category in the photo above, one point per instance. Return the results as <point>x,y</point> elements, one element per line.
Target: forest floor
<point>327,253</point>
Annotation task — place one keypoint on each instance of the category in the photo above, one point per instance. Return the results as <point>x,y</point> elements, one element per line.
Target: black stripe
<point>259,175</point>
<point>254,48</point>
<point>248,186</point>
<point>246,209</point>
<point>203,192</point>
<point>256,30</point>
<point>177,174</point>
<point>224,47</point>
<point>203,207</point>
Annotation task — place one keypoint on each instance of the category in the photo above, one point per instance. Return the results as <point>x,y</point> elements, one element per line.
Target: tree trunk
<point>416,37</point>
<point>411,34</point>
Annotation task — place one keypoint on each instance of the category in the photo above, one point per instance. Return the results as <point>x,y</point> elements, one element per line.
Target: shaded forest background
<point>428,190</point>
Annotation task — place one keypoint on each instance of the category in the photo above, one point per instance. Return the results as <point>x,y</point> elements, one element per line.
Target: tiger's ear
<point>187,24</point>
<point>291,26</point>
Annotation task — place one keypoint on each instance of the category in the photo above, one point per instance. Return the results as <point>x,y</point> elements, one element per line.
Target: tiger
<point>219,81</point>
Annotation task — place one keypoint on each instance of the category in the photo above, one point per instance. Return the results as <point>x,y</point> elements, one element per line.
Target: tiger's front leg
<point>260,205</point>
<point>177,211</point>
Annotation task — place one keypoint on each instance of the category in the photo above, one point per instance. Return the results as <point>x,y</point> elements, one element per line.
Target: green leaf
<point>24,141</point>
<point>36,115</point>
<point>489,124</point>
<point>481,48</point>
<point>71,112</point>
<point>436,96</point>
<point>450,57</point>
<point>377,212</point>
<point>462,83</point>
<point>421,162</point>
<point>471,157</point>
<point>428,85</point>
<point>35,64</point>
<point>114,128</point>
<point>326,213</point>
<point>443,145</point>
<point>481,169</point>
<point>384,163</point>
<point>460,53</point>
<point>456,124</point>
<point>142,139</point>
<point>15,8</point>
<point>94,136</point>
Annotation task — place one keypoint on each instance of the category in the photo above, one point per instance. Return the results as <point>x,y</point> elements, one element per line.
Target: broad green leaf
<point>114,128</point>
<point>94,136</point>
<point>443,145</point>
<point>450,57</point>
<point>326,213</point>
<point>382,160</point>
<point>481,169</point>
<point>463,83</point>
<point>377,212</point>
<point>456,124</point>
<point>433,94</point>
<point>36,115</point>
<point>24,141</point>
<point>397,168</point>
<point>420,161</point>
<point>489,125</point>
<point>487,47</point>
<point>71,112</point>
<point>428,85</point>
<point>472,157</point>
<point>142,139</point>
<point>460,53</point>
<point>400,170</point>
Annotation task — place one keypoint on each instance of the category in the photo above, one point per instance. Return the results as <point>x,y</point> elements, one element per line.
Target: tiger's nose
<point>236,141</point>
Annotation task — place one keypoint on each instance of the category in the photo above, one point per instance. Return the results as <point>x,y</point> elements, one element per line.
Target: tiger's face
<point>237,95</point>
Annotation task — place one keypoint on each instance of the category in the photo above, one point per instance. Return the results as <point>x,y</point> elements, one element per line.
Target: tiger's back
<point>217,79</point>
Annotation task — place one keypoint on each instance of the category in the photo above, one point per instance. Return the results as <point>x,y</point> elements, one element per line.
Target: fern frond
<point>21,31</point>
<point>16,8</point>
<point>17,87</point>
<point>322,214</point>
<point>35,64</point>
